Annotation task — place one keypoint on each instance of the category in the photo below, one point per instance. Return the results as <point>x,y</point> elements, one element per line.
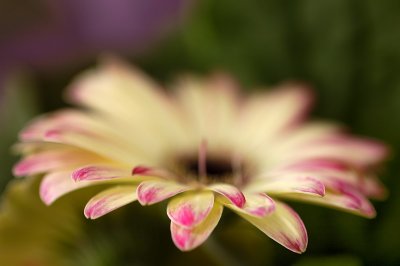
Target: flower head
<point>203,146</point>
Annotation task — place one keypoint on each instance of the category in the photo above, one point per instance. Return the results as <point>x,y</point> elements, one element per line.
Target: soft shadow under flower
<point>205,146</point>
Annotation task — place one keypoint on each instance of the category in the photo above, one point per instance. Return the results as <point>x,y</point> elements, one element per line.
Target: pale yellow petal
<point>284,226</point>
<point>109,200</point>
<point>153,191</point>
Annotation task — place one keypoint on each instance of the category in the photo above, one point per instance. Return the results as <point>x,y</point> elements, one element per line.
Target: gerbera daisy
<point>204,146</point>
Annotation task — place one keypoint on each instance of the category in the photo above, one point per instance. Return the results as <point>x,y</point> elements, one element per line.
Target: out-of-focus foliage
<point>17,106</point>
<point>342,260</point>
<point>347,50</point>
<point>31,233</point>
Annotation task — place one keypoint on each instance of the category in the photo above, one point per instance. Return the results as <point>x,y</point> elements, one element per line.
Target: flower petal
<point>50,160</point>
<point>191,209</point>
<point>109,200</point>
<point>150,192</point>
<point>359,152</point>
<point>66,118</point>
<point>107,146</point>
<point>318,164</point>
<point>189,238</point>
<point>232,193</point>
<point>133,101</point>
<point>71,127</point>
<point>284,226</point>
<point>259,124</point>
<point>257,204</point>
<point>351,201</point>
<point>57,184</point>
<point>290,141</point>
<point>289,183</point>
<point>210,106</point>
<point>153,172</point>
<point>123,84</point>
<point>99,172</point>
<point>331,171</point>
<point>355,198</point>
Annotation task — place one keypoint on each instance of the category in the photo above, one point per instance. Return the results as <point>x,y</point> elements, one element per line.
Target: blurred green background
<point>347,50</point>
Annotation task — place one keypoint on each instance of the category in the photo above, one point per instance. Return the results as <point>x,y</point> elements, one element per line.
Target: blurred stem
<point>219,253</point>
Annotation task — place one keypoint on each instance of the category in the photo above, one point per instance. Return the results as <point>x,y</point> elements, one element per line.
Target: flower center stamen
<point>202,160</point>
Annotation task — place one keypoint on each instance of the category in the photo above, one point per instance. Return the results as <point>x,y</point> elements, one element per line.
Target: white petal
<point>124,94</point>
<point>153,172</point>
<point>353,202</point>
<point>288,184</point>
<point>210,106</point>
<point>257,204</point>
<point>354,151</point>
<point>284,226</point>
<point>150,192</point>
<point>99,172</point>
<point>57,184</point>
<point>232,193</point>
<point>108,147</point>
<point>52,160</point>
<point>109,200</point>
<point>266,116</point>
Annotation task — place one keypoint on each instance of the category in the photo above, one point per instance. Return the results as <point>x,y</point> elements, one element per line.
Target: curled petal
<point>150,192</point>
<point>289,184</point>
<point>189,238</point>
<point>232,193</point>
<point>257,204</point>
<point>109,200</point>
<point>153,172</point>
<point>141,170</point>
<point>284,226</point>
<point>191,209</point>
<point>99,173</point>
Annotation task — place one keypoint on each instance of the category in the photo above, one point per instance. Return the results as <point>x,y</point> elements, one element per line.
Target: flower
<point>204,146</point>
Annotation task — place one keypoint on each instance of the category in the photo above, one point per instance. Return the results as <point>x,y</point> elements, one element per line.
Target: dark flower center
<point>215,167</point>
<point>207,167</point>
<point>212,167</point>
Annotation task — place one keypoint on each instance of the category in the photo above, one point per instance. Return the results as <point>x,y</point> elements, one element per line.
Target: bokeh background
<point>347,50</point>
